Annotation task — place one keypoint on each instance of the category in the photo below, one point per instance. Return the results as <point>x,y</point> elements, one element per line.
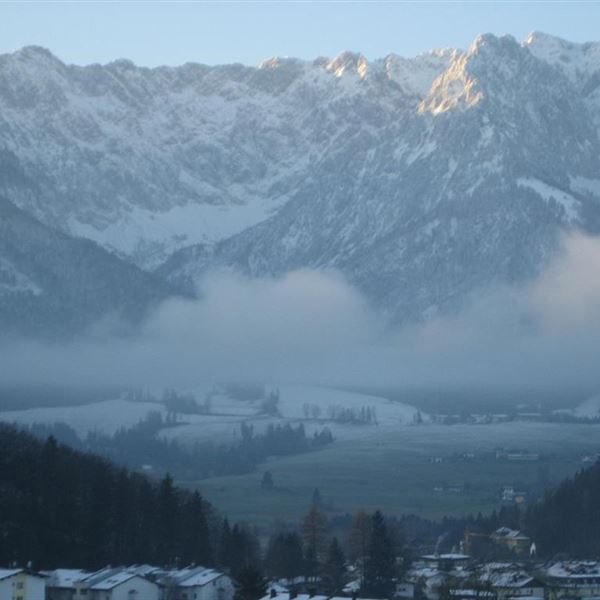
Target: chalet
<point>21,584</point>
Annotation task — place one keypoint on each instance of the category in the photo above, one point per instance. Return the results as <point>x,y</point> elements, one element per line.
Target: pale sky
<point>172,32</point>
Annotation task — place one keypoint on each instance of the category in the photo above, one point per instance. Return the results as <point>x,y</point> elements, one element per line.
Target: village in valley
<point>445,576</point>
<point>511,572</point>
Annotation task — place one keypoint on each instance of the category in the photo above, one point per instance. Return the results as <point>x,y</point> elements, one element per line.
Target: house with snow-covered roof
<point>115,584</point>
<point>577,579</point>
<point>511,581</point>
<point>60,583</point>
<point>194,583</point>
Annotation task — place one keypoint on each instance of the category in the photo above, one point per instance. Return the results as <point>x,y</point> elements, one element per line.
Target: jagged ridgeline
<point>420,179</point>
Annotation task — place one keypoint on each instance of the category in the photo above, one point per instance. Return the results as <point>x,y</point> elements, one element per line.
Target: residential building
<point>573,580</point>
<point>512,540</point>
<point>115,584</point>
<point>194,583</point>
<point>60,583</point>
<point>21,584</point>
<point>510,580</point>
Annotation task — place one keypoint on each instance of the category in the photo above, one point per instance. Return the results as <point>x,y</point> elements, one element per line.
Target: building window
<point>19,585</point>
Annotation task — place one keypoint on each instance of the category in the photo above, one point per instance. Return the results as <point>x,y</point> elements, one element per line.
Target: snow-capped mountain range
<point>421,179</point>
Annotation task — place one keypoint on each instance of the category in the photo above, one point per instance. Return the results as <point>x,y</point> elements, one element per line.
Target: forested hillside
<point>54,284</point>
<point>63,507</point>
<point>567,520</point>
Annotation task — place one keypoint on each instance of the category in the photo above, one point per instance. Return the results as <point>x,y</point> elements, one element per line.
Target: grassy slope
<point>394,472</point>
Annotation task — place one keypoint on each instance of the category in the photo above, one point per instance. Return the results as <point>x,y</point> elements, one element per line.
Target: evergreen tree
<point>224,551</point>
<point>250,584</point>
<point>334,567</point>
<point>359,539</point>
<point>195,537</point>
<point>267,482</point>
<point>284,557</point>
<point>380,566</point>
<point>243,550</point>
<point>316,498</point>
<point>168,518</point>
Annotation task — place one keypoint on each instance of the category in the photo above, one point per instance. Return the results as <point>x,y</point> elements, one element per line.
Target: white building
<point>195,583</point>
<point>115,584</point>
<point>20,584</point>
<point>60,583</point>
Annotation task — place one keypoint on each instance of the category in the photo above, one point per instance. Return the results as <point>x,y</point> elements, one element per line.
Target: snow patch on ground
<point>13,281</point>
<point>220,427</point>
<point>590,408</point>
<point>550,193</point>
<point>172,229</point>
<point>586,186</point>
<point>105,417</point>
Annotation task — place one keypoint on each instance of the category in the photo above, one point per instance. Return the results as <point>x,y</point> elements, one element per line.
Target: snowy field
<point>106,417</point>
<point>227,414</point>
<point>589,409</point>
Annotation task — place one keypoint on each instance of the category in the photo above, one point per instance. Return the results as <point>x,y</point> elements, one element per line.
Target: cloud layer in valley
<point>312,326</point>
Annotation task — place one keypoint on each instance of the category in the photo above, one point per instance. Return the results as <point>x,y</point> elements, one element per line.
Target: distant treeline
<point>141,445</point>
<point>364,415</point>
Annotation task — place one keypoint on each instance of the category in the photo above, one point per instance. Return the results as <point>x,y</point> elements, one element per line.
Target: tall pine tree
<point>380,566</point>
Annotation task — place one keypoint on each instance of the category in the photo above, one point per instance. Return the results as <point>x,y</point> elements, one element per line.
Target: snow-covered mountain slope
<point>421,207</point>
<point>420,179</point>
<point>55,285</point>
<point>146,161</point>
<point>579,62</point>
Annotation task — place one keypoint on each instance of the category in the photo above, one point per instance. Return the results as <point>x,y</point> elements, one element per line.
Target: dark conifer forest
<point>59,506</point>
<point>567,520</point>
<point>65,507</point>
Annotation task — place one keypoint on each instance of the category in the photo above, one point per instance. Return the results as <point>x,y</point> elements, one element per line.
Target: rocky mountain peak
<point>348,63</point>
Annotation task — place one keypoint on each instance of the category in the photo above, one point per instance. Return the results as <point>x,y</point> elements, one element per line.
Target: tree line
<point>141,445</point>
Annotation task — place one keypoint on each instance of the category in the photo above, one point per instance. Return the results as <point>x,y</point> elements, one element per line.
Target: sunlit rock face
<point>420,179</point>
